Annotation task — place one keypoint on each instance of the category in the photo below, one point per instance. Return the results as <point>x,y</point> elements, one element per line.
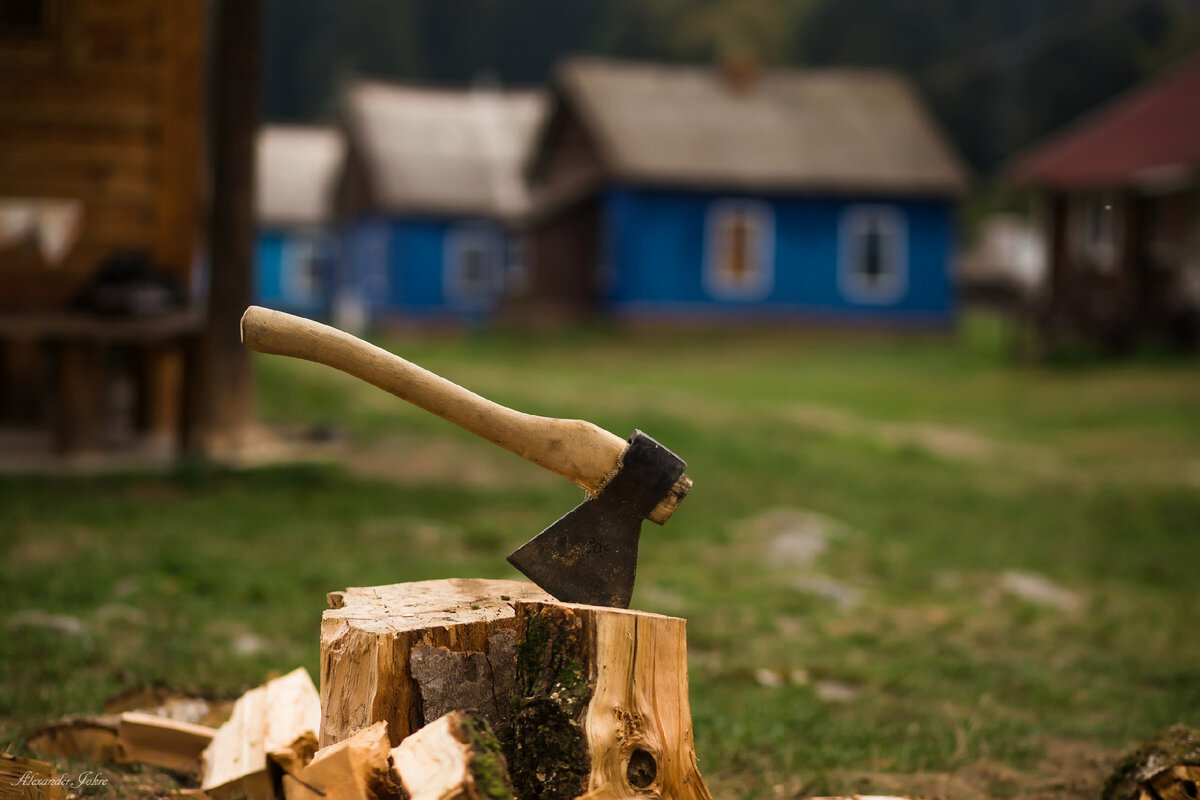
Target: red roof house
<point>1123,198</point>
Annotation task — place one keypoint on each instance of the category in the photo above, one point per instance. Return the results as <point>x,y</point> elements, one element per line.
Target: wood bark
<point>601,705</point>
<point>386,652</point>
<point>456,757</point>
<point>282,715</point>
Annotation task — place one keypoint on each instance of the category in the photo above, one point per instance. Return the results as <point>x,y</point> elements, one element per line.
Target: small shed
<point>1122,216</point>
<point>296,247</point>
<point>432,200</point>
<point>667,193</point>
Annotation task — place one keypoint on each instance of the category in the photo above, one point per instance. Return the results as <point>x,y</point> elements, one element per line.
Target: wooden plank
<point>272,717</point>
<point>104,42</point>
<point>27,778</point>
<point>84,89</point>
<point>91,184</point>
<point>34,155</point>
<point>56,111</point>
<point>181,145</point>
<point>162,742</point>
<point>15,133</point>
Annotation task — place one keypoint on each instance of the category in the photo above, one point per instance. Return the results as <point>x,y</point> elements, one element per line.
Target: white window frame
<point>852,283</point>
<point>460,241</point>
<point>759,220</point>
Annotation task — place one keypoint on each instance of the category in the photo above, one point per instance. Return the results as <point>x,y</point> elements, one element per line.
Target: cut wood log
<point>601,705</point>
<point>283,714</point>
<point>598,701</point>
<point>27,779</point>
<point>353,769</point>
<point>1167,767</point>
<point>456,757</point>
<point>369,672</point>
<point>91,738</point>
<point>163,742</point>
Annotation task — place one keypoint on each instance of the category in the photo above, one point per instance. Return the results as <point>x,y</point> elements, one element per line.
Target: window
<point>307,267</point>
<point>473,274</point>
<point>873,261</point>
<point>520,277</point>
<point>739,263</point>
<point>1095,229</point>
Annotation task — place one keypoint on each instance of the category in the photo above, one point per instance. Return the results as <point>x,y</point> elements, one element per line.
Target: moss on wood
<point>488,767</point>
<point>547,751</point>
<point>1178,745</point>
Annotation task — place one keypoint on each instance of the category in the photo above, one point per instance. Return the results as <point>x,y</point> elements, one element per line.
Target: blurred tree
<point>997,73</point>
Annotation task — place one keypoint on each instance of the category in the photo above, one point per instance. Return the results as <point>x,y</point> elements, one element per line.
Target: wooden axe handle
<point>573,448</point>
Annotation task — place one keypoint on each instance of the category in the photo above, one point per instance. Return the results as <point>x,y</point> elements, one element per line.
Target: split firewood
<point>601,705</point>
<point>1165,768</point>
<point>162,742</point>
<point>408,653</point>
<point>27,779</point>
<point>91,738</point>
<point>282,715</point>
<point>456,757</point>
<point>353,769</point>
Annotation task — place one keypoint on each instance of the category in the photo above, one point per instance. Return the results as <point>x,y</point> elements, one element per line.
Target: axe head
<point>590,555</point>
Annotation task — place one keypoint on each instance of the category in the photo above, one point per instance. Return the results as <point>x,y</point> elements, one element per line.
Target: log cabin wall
<point>102,104</point>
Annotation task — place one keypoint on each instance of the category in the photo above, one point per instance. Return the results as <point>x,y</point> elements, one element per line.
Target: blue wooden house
<point>296,249</point>
<point>432,200</point>
<point>696,194</point>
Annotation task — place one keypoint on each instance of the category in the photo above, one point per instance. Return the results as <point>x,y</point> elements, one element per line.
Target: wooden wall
<point>103,103</point>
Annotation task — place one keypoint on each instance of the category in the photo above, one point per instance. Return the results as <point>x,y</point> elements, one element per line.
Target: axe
<point>590,554</point>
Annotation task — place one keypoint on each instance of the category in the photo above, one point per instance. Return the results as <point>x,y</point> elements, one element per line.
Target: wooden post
<point>224,383</point>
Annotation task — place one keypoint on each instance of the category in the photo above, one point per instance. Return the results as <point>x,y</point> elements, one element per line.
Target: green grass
<point>944,464</point>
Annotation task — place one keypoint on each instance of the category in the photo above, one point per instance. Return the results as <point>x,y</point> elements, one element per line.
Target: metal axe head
<point>590,555</point>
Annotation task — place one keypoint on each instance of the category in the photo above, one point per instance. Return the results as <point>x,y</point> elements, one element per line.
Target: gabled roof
<point>444,151</point>
<point>836,129</point>
<point>1148,133</point>
<point>295,172</point>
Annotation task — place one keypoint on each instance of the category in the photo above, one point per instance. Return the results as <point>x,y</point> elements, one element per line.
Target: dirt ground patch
<point>1068,770</point>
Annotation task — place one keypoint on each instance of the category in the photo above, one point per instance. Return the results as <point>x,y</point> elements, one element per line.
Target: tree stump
<point>584,699</point>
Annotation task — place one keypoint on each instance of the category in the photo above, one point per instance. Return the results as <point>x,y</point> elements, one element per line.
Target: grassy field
<point>908,564</point>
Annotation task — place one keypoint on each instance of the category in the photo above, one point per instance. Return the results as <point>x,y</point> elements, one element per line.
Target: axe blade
<point>590,555</point>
